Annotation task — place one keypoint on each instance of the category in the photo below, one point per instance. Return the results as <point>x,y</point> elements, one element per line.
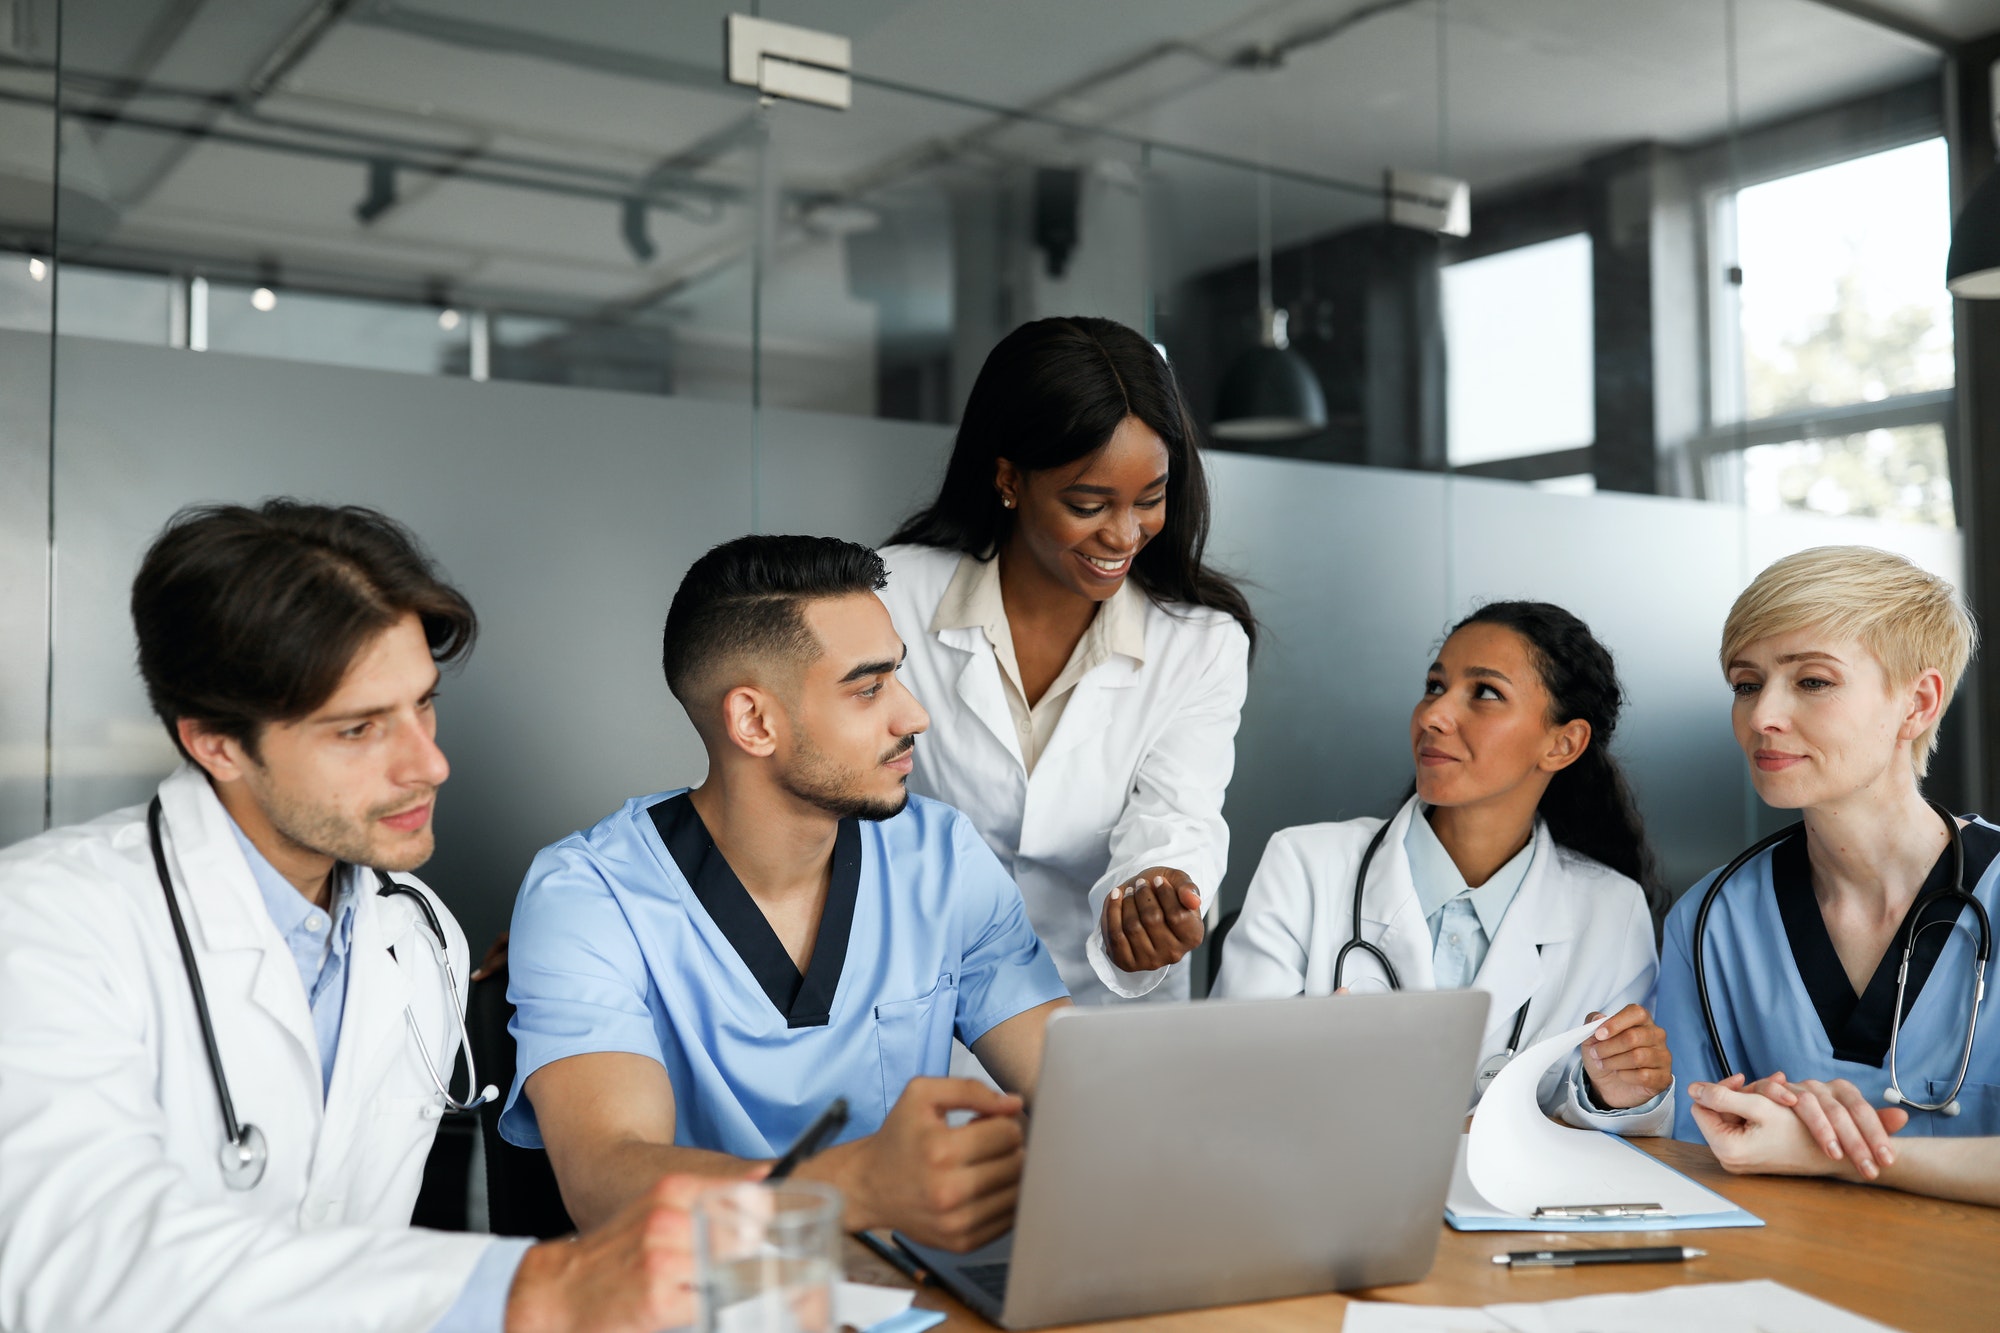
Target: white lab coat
<point>1577,939</point>
<point>1133,776</point>
<point>113,1211</point>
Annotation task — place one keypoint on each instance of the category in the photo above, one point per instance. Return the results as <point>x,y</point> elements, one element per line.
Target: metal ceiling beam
<point>1882,16</point>
<point>477,34</point>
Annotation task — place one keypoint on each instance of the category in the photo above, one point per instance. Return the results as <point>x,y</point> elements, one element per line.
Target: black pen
<point>894,1256</point>
<point>1645,1254</point>
<point>831,1121</point>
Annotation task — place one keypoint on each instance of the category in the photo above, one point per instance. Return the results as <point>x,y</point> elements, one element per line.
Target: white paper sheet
<point>864,1306</point>
<point>1389,1317</point>
<point>1515,1159</point>
<point>1712,1307</point>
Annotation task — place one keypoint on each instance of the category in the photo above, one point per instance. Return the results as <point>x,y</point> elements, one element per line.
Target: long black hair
<point>1589,805</point>
<point>1051,393</point>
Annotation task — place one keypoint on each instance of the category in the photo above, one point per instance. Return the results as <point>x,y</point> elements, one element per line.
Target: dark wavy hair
<point>1051,393</point>
<point>1589,805</point>
<point>246,617</point>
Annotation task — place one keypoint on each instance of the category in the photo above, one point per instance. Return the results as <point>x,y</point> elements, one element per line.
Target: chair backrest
<point>1222,929</point>
<point>521,1194</point>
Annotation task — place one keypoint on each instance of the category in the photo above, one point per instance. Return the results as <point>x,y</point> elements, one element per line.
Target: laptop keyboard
<point>989,1278</point>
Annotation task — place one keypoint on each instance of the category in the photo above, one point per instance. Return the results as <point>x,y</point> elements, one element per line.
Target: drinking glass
<point>767,1257</point>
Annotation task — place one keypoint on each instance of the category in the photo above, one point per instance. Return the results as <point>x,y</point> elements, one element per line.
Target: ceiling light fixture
<point>264,299</point>
<point>447,319</point>
<point>37,269</point>
<point>1972,269</point>
<point>1269,392</point>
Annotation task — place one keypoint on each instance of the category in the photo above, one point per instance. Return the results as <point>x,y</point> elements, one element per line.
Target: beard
<point>817,779</point>
<point>331,832</point>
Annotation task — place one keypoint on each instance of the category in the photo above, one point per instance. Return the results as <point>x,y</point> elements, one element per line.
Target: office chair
<point>521,1194</point>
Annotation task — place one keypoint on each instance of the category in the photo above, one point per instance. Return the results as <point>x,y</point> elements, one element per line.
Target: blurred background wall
<point>539,281</point>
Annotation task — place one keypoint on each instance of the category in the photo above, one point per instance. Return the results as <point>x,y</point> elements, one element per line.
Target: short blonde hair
<point>1911,619</point>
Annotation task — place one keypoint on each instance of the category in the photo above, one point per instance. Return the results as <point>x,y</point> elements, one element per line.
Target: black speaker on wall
<point>1058,191</point>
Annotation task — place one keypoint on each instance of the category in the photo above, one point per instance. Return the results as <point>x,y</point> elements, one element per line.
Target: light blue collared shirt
<point>318,940</point>
<point>1463,920</point>
<point>482,1303</point>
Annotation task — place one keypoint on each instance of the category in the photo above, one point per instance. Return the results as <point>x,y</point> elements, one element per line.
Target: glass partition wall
<point>541,282</point>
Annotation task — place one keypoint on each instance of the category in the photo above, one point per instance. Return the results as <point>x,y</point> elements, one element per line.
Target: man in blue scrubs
<point>699,975</point>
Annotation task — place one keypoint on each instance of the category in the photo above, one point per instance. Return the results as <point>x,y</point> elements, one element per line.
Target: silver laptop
<point>1189,1155</point>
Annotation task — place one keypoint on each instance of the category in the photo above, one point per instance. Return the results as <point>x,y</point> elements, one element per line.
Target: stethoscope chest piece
<point>1490,1071</point>
<point>244,1158</point>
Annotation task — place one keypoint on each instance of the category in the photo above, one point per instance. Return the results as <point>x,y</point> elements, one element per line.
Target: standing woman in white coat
<point>1084,668</point>
<point>1516,868</point>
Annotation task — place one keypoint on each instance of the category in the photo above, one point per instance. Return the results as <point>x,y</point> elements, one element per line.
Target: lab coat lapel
<point>373,1029</point>
<point>1512,971</point>
<point>979,688</point>
<point>226,910</point>
<point>1389,905</point>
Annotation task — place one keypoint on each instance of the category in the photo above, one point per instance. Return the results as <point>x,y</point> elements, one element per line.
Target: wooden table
<point>1911,1263</point>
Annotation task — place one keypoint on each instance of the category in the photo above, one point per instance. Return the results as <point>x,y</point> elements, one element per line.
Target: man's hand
<point>1838,1117</point>
<point>1751,1131</point>
<point>495,959</point>
<point>1152,921</point>
<point>952,1186</point>
<point>1626,1059</point>
<point>633,1275</point>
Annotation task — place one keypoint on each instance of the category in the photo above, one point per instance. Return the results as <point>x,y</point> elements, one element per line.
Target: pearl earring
<point>1007,500</point>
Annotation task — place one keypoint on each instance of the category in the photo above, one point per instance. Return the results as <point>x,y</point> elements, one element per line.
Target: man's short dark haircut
<point>746,598</point>
<point>250,616</point>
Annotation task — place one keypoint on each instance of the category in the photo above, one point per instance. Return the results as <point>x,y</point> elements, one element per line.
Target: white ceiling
<point>619,86</point>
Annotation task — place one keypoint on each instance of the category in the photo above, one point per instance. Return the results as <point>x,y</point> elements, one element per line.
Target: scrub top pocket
<point>914,1036</point>
<point>1978,1113</point>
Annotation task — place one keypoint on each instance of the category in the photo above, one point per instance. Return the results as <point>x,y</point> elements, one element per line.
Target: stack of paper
<point>1714,1307</point>
<point>1515,1160</point>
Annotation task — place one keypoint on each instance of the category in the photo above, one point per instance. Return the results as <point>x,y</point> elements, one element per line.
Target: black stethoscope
<point>1494,1063</point>
<point>244,1151</point>
<point>1894,1093</point>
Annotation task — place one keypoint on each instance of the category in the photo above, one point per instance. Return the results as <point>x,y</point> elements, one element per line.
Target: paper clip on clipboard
<point>1584,1211</point>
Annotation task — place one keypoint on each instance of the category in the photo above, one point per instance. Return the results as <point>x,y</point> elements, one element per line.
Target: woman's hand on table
<point>1776,1127</point>
<point>1839,1118</point>
<point>1152,920</point>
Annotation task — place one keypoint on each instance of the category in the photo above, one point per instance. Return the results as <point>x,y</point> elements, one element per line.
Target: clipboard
<point>1465,1210</point>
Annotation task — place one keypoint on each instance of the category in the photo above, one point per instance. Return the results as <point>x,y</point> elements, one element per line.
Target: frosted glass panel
<point>566,516</point>
<point>1653,579</point>
<point>1346,570</point>
<point>845,476</point>
<point>24,534</point>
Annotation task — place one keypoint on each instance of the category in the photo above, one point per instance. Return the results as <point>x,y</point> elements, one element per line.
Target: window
<point>334,330</point>
<point>1519,375</point>
<point>1835,365</point>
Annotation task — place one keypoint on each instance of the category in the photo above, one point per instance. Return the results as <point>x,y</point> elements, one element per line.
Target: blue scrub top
<point>613,950</point>
<point>1769,1022</point>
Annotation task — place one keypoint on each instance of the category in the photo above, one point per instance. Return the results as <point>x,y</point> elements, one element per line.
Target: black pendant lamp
<point>1269,393</point>
<point>1973,269</point>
